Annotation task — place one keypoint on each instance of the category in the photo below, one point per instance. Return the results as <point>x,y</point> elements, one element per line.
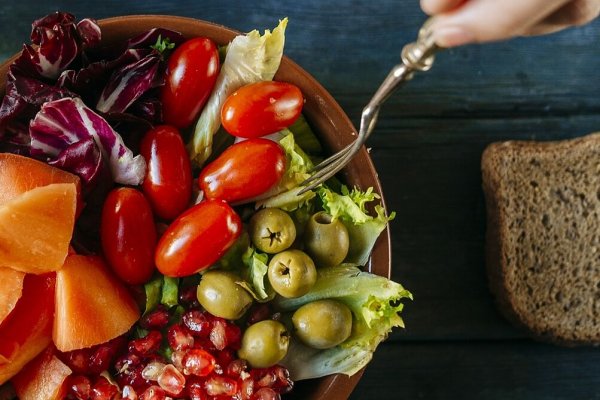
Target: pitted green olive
<point>221,296</point>
<point>272,230</point>
<point>264,344</point>
<point>292,273</point>
<point>326,240</point>
<point>323,323</point>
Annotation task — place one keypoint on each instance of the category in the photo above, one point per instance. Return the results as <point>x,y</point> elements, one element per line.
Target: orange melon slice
<point>91,305</point>
<point>20,174</point>
<point>11,288</point>
<point>36,228</point>
<point>27,330</point>
<point>43,378</point>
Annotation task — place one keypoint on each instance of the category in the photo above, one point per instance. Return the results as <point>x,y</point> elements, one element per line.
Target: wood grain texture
<point>427,148</point>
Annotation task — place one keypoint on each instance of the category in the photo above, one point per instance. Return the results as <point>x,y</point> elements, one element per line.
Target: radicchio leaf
<point>66,121</point>
<point>149,38</point>
<point>128,84</point>
<point>89,32</point>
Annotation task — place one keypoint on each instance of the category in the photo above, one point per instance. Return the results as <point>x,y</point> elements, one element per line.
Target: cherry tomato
<point>191,73</point>
<point>243,171</point>
<point>168,183</point>
<point>128,235</point>
<point>261,108</point>
<point>197,238</point>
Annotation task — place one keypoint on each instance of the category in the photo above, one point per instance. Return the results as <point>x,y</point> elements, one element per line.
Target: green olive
<point>323,323</point>
<point>326,240</point>
<point>272,230</point>
<point>292,273</point>
<point>264,344</point>
<point>221,296</point>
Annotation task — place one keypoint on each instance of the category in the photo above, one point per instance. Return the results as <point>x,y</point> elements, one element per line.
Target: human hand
<point>459,22</point>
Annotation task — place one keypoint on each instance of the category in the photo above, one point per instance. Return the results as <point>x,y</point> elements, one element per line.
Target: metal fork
<point>416,56</point>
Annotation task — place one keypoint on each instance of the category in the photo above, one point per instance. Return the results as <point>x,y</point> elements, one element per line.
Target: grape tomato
<point>261,108</point>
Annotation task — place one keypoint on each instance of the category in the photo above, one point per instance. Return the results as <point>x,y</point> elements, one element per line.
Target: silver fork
<point>416,56</point>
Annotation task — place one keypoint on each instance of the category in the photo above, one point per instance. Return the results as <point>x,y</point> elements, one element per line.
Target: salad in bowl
<point>153,241</point>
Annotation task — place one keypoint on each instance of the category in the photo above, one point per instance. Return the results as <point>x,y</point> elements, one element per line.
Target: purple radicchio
<point>58,42</point>
<point>63,122</point>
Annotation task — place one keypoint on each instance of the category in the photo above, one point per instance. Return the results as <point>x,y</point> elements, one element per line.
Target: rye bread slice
<point>543,235</point>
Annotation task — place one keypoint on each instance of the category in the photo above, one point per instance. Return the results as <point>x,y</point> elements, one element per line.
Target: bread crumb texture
<point>543,235</point>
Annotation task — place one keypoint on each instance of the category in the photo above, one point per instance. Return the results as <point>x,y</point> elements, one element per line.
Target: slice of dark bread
<point>543,235</point>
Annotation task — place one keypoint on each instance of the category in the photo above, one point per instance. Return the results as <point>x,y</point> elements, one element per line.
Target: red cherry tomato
<point>191,73</point>
<point>243,171</point>
<point>128,235</point>
<point>197,238</point>
<point>168,183</point>
<point>261,108</point>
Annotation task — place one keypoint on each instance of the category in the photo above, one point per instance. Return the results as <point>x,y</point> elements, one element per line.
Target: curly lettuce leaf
<point>256,275</point>
<point>363,229</point>
<point>250,58</point>
<point>375,305</point>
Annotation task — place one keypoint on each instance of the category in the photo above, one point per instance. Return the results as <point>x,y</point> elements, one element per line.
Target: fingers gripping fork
<point>416,56</point>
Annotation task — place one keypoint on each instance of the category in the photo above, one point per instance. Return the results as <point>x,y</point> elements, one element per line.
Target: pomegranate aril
<point>195,389</point>
<point>157,319</point>
<point>224,357</point>
<point>236,367</point>
<point>79,387</point>
<point>197,323</point>
<point>217,385</point>
<point>246,388</point>
<point>153,393</point>
<point>126,361</point>
<point>146,345</point>
<point>128,393</point>
<point>179,338</point>
<point>152,370</point>
<point>171,380</point>
<point>188,296</point>
<point>258,312</point>
<point>233,334</point>
<point>218,335</point>
<point>103,389</point>
<point>283,383</point>
<point>132,376</point>
<point>266,394</point>
<point>198,362</point>
<point>263,377</point>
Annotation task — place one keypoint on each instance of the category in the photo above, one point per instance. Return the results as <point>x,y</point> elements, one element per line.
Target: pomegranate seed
<point>197,323</point>
<point>236,367</point>
<point>188,296</point>
<point>157,319</point>
<point>224,357</point>
<point>146,345</point>
<point>266,394</point>
<point>171,380</point>
<point>198,362</point>
<point>103,389</point>
<point>283,383</point>
<point>204,344</point>
<point>77,360</point>
<point>233,334</point>
<point>132,376</point>
<point>263,377</point>
<point>220,385</point>
<point>179,338</point>
<point>218,336</point>
<point>258,312</point>
<point>195,389</point>
<point>177,359</point>
<point>246,389</point>
<point>153,393</point>
<point>126,361</point>
<point>152,370</point>
<point>79,386</point>
<point>128,393</point>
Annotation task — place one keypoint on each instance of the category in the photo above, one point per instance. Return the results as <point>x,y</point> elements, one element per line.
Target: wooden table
<point>427,149</point>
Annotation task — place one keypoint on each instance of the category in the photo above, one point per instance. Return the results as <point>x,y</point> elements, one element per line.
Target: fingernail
<point>452,36</point>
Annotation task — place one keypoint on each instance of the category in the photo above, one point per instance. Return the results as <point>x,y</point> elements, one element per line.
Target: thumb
<point>490,20</point>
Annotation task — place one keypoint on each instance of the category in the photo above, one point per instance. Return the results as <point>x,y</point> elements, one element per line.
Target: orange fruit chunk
<point>27,330</point>
<point>11,288</point>
<point>36,228</point>
<point>43,378</point>
<point>91,305</point>
<point>20,174</point>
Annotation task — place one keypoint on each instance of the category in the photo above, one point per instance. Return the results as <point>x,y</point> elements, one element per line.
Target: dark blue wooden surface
<point>427,148</point>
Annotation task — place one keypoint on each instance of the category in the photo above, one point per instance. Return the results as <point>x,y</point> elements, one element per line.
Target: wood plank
<point>503,370</point>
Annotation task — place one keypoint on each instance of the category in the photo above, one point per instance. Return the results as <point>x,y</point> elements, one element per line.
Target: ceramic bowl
<point>328,120</point>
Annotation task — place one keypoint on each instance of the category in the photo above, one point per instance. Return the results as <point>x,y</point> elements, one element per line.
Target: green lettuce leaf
<point>375,305</point>
<point>256,281</point>
<point>250,58</point>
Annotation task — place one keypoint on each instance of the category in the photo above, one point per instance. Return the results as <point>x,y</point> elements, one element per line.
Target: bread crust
<point>496,162</point>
